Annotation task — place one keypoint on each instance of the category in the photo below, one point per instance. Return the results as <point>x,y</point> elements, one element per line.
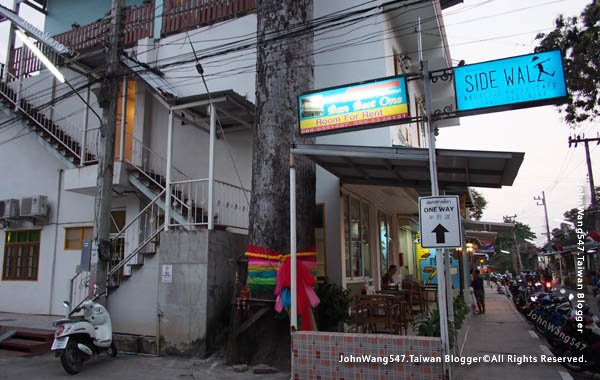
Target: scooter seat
<point>66,320</point>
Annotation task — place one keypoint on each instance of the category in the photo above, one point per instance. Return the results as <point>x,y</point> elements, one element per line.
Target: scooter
<point>78,338</point>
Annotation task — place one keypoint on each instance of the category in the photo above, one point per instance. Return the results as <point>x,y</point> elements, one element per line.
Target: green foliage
<point>479,204</point>
<point>333,306</point>
<point>460,311</point>
<point>578,38</point>
<point>566,235</point>
<point>506,241</point>
<point>430,325</point>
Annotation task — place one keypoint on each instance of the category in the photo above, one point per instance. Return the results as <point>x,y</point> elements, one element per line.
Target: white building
<point>48,144</point>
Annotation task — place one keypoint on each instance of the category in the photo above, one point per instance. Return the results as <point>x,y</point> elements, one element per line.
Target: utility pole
<point>543,203</point>
<point>517,263</point>
<point>107,99</point>
<point>543,200</point>
<point>594,202</point>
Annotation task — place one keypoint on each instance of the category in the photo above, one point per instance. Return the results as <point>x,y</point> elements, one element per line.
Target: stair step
<point>135,265</point>
<point>25,345</point>
<point>32,333</point>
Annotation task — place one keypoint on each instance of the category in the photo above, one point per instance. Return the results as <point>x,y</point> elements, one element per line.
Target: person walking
<point>479,291</point>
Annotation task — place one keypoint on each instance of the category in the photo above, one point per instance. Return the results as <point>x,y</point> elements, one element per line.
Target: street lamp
<point>531,241</point>
<point>38,53</point>
<point>503,251</point>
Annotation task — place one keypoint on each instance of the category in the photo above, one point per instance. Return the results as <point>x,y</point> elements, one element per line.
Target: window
<point>74,237</point>
<point>21,255</point>
<point>118,221</point>
<point>385,240</point>
<point>356,228</point>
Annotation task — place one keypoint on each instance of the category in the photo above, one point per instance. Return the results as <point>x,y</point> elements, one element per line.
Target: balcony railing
<point>177,16</point>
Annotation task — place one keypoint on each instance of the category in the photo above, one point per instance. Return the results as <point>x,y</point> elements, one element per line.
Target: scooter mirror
<point>571,297</point>
<point>66,304</point>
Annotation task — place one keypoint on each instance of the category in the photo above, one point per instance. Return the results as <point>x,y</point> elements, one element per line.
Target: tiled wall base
<point>316,355</point>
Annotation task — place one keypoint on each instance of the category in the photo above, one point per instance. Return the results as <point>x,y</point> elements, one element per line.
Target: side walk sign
<point>439,222</point>
<point>510,83</point>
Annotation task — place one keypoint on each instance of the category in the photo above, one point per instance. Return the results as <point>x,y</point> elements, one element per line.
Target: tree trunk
<point>284,67</point>
<point>284,70</point>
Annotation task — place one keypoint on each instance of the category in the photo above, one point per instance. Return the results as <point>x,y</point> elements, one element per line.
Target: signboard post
<point>359,106</point>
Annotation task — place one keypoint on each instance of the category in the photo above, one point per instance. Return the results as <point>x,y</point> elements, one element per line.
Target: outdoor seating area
<point>392,310</point>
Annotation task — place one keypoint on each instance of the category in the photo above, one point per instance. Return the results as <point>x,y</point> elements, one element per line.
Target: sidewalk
<point>503,330</point>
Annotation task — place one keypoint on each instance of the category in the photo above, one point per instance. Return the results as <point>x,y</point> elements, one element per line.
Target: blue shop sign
<point>517,82</point>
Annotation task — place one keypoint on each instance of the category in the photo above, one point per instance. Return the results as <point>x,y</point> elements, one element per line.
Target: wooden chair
<point>358,314</point>
<point>417,296</point>
<point>381,314</point>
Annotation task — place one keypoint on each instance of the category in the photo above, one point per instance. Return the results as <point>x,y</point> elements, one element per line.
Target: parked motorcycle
<point>78,338</point>
<point>585,343</point>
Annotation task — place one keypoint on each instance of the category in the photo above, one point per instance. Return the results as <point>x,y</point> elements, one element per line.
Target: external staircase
<point>139,238</point>
<point>147,172</point>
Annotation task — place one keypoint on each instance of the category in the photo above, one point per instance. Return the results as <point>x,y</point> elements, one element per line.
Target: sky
<point>483,30</point>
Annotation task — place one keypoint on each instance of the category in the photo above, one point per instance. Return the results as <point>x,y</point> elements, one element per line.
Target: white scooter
<point>78,338</point>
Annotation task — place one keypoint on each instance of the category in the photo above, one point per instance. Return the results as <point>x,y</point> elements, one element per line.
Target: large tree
<point>579,39</point>
<point>479,204</point>
<point>566,235</point>
<point>284,70</point>
<point>507,241</point>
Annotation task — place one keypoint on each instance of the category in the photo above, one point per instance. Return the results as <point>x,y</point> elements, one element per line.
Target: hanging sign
<point>510,83</point>
<point>359,106</point>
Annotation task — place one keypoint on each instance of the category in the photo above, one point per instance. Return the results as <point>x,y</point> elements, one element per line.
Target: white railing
<point>147,161</point>
<point>139,236</point>
<point>90,141</point>
<point>230,203</point>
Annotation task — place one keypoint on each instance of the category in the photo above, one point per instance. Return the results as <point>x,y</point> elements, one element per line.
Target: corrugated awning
<point>409,167</point>
<point>234,110</point>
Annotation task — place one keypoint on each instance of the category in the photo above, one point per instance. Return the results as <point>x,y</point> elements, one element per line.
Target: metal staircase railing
<point>139,236</point>
<point>153,168</point>
<point>66,136</point>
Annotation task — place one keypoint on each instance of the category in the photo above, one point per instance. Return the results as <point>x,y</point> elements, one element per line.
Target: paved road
<point>127,367</point>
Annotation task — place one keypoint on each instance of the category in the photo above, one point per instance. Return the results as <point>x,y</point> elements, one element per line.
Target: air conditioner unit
<point>9,208</point>
<point>34,206</point>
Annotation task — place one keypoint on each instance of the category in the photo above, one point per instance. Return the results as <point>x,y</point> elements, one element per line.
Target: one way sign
<point>439,222</point>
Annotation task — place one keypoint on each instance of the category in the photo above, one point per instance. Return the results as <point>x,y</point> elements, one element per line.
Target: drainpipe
<point>60,173</point>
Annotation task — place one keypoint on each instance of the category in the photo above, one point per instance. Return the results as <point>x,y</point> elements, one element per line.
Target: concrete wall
<point>192,306</point>
<point>30,169</point>
<point>191,145</point>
